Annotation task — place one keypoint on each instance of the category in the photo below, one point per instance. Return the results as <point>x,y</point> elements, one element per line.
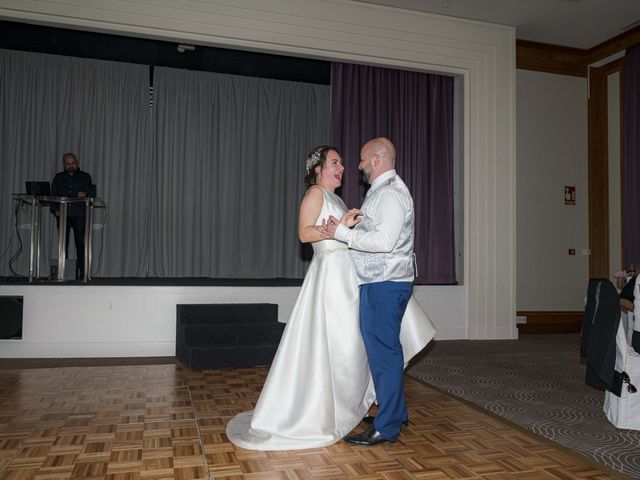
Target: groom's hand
<point>352,217</point>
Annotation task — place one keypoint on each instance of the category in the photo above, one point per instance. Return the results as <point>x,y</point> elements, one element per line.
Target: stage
<point>136,317</point>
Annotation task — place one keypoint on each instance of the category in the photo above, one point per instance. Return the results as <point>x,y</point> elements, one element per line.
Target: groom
<point>382,251</point>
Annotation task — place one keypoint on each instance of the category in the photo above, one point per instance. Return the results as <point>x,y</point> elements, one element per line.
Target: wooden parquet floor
<point>165,422</point>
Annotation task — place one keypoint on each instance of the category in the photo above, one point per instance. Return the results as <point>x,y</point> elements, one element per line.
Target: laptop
<point>38,188</point>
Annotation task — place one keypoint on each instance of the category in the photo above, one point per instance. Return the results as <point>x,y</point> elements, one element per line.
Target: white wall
<point>552,153</point>
<point>483,55</point>
<point>103,321</point>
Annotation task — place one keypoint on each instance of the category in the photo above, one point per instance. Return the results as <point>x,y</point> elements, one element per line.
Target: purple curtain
<point>631,142</point>
<point>415,110</point>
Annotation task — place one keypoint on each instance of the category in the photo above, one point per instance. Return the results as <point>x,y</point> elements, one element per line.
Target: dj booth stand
<point>38,201</point>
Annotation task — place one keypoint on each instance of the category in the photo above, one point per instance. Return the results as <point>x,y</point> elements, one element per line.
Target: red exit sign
<point>569,195</point>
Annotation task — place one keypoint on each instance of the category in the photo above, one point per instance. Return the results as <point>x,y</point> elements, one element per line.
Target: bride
<point>319,386</point>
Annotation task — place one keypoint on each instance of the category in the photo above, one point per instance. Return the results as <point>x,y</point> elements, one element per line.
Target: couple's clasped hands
<point>329,226</point>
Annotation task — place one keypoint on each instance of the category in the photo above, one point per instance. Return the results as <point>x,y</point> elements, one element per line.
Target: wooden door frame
<point>599,166</point>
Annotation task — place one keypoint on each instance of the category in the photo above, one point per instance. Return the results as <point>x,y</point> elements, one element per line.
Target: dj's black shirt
<point>66,185</point>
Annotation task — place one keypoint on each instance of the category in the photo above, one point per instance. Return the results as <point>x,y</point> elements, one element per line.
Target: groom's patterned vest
<point>397,265</point>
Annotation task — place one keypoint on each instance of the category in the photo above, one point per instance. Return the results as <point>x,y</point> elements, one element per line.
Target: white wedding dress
<point>319,386</point>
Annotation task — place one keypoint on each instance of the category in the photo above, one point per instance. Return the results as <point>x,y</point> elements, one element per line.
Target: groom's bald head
<point>383,147</point>
<point>377,156</point>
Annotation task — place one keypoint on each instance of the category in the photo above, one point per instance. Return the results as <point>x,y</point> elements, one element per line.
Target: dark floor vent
<point>227,335</point>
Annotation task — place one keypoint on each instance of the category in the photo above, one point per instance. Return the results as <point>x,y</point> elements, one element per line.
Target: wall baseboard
<point>550,322</point>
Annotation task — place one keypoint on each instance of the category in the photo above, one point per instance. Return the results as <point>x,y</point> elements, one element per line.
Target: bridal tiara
<point>315,157</point>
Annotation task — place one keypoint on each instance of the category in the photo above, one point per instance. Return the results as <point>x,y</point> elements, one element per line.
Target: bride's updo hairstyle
<point>317,156</point>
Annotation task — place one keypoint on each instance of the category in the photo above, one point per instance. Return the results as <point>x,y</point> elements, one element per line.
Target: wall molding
<point>614,45</point>
<point>549,58</point>
<point>544,57</point>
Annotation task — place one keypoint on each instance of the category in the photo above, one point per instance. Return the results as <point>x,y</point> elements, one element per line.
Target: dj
<point>73,183</point>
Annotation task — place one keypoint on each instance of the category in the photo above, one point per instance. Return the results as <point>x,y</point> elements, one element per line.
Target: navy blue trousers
<point>382,306</point>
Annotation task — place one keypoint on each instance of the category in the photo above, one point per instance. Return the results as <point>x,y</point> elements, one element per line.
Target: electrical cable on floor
<point>13,232</point>
<point>16,255</point>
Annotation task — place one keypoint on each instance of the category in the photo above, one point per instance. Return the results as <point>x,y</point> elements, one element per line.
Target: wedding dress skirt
<point>319,386</point>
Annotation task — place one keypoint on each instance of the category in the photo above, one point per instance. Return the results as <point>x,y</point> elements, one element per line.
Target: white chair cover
<point>624,411</point>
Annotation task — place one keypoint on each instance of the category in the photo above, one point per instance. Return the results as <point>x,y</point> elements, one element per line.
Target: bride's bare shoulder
<point>314,194</point>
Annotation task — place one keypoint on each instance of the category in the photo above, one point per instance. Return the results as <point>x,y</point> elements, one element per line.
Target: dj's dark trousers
<point>77,225</point>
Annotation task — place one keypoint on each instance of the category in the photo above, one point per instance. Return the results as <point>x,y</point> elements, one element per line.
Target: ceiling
<point>570,23</point>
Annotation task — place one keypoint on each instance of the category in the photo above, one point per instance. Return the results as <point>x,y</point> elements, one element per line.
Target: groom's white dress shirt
<point>382,244</point>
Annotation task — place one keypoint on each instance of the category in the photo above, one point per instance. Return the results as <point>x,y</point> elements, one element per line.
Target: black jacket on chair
<point>599,329</point>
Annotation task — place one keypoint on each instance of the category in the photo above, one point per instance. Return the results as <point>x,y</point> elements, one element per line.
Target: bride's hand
<point>328,228</point>
<point>352,217</point>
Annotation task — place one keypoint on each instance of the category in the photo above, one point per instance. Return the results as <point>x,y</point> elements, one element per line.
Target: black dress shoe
<point>370,418</point>
<point>369,437</point>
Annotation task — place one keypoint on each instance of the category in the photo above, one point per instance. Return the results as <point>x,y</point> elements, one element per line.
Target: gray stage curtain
<point>631,111</point>
<point>52,104</point>
<point>230,157</point>
<point>415,110</point>
<point>207,183</point>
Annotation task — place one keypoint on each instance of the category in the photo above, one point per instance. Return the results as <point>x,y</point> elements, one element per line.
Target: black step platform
<point>227,335</point>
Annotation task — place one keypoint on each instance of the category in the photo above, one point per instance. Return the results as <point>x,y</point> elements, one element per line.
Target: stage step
<point>227,335</point>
